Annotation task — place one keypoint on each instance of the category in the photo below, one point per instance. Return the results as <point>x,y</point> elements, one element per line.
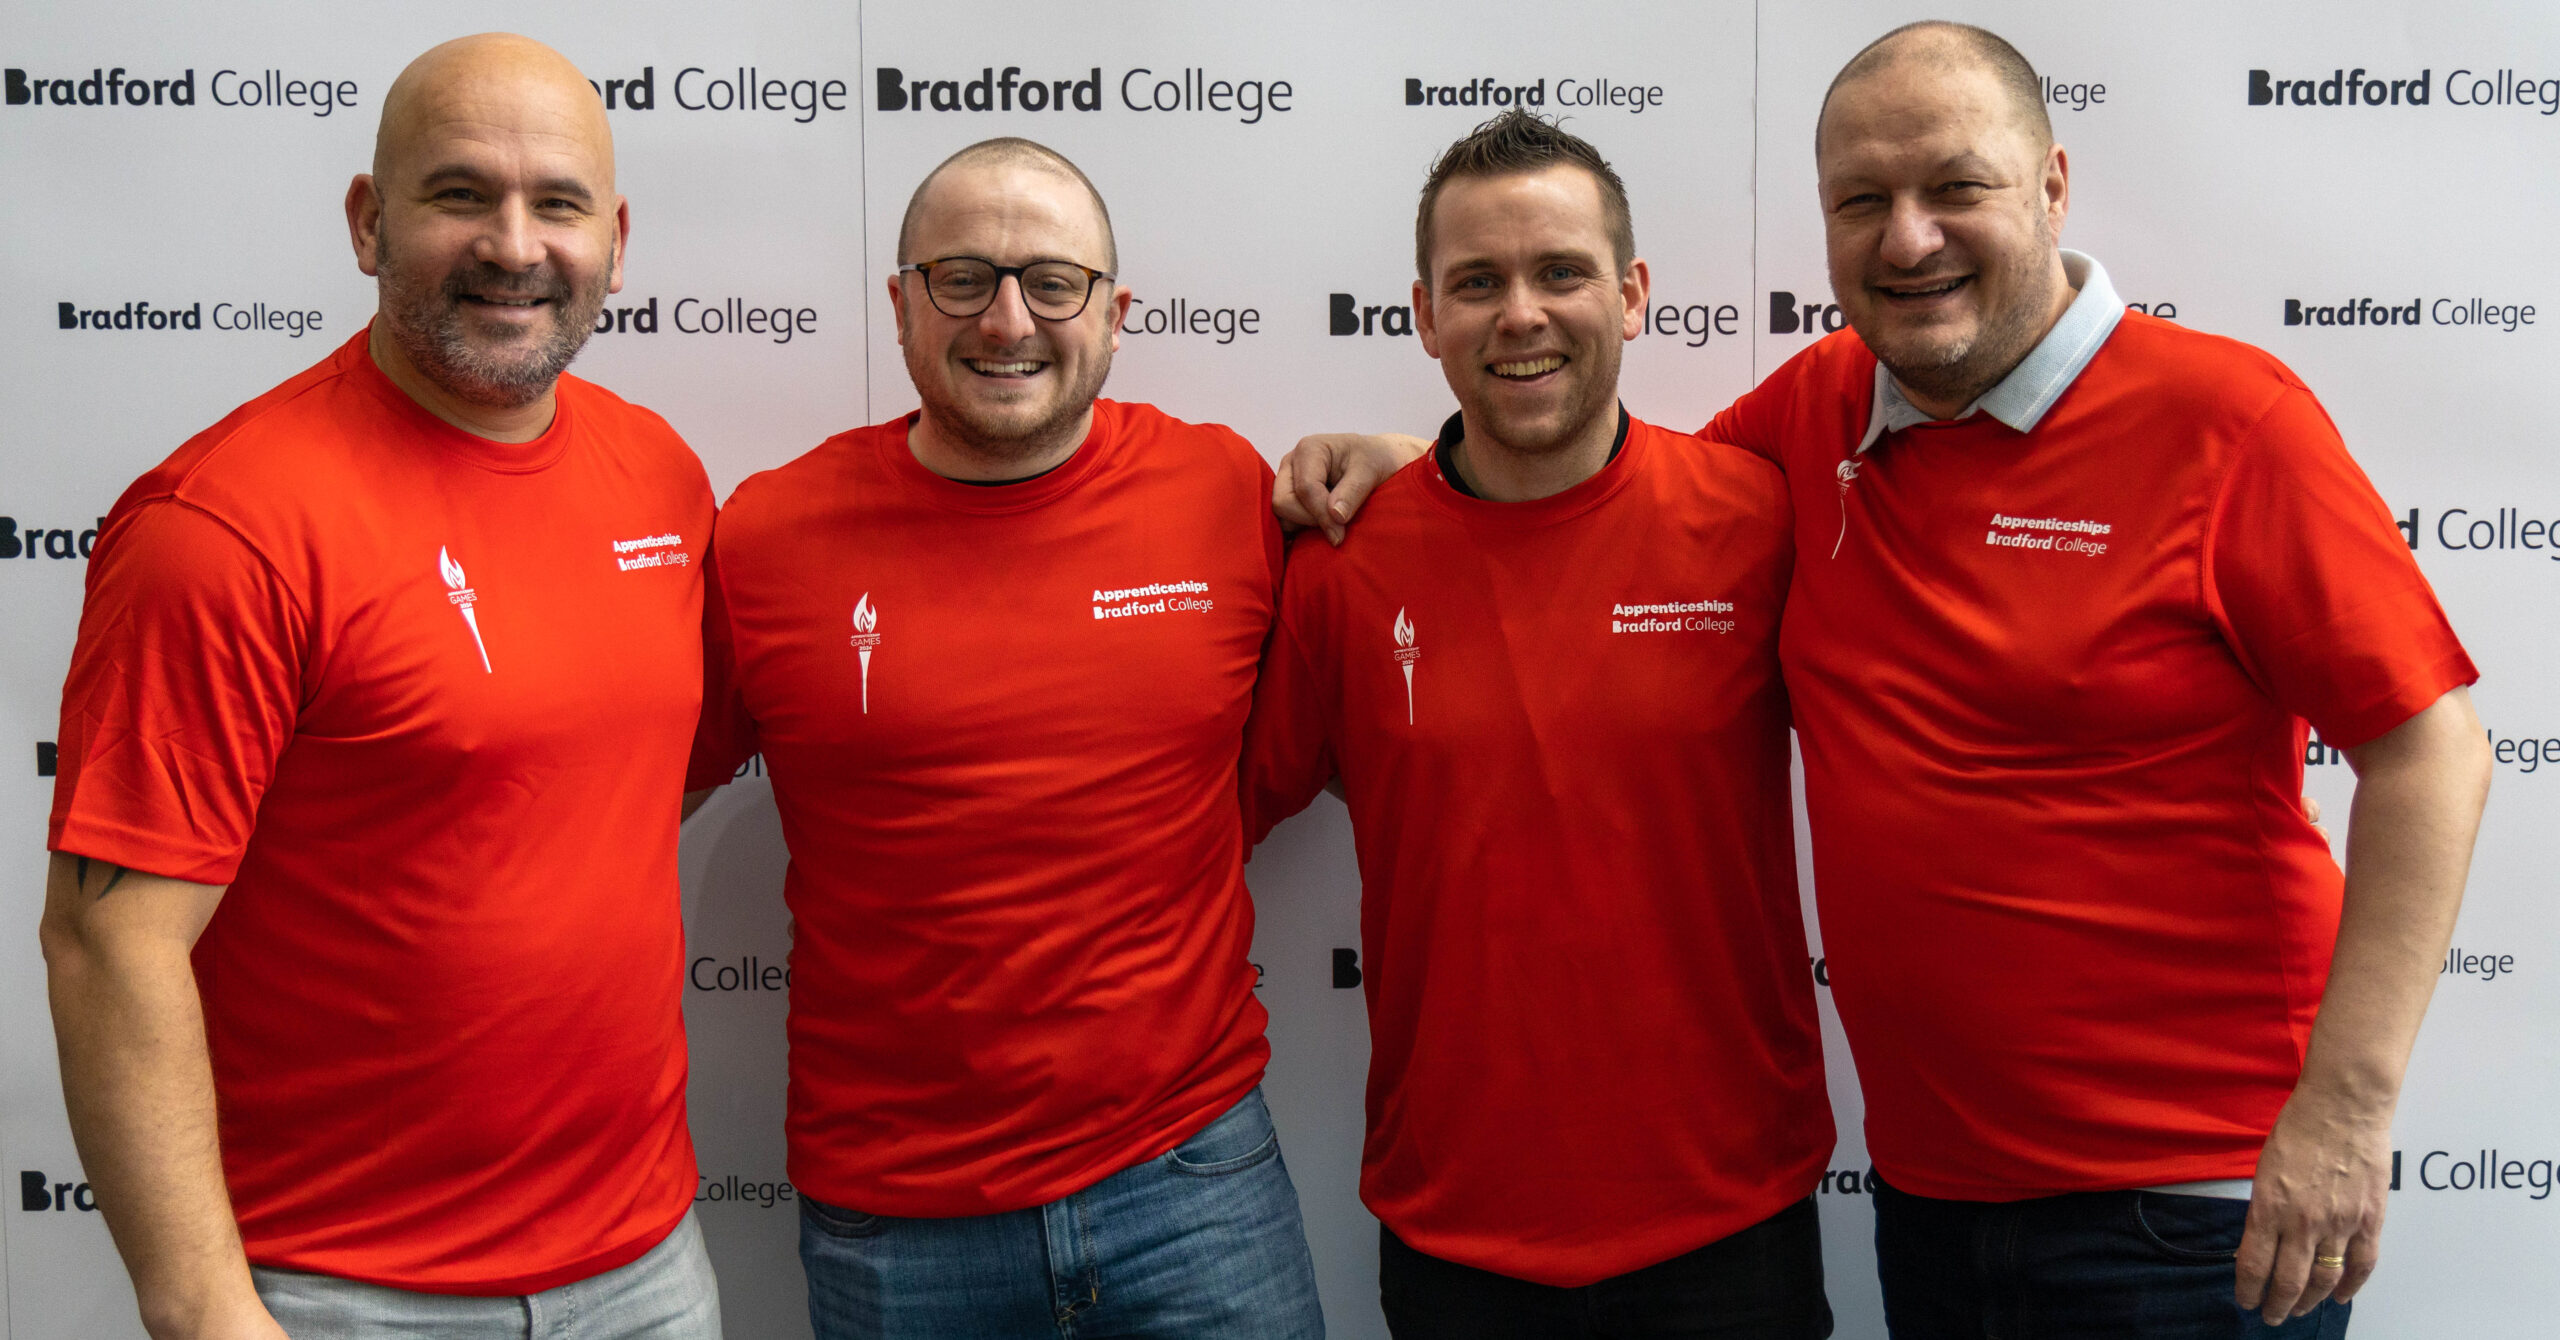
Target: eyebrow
<point>547,186</point>
<point>1972,164</point>
<point>1542,258</point>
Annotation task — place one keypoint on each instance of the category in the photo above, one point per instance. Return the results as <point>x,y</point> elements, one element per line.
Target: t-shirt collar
<point>1454,431</point>
<point>2022,398</point>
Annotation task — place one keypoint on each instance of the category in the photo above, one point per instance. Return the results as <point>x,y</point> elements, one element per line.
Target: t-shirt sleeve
<point>1750,423</point>
<point>1288,756</point>
<point>725,738</point>
<point>184,688</point>
<point>2317,589</point>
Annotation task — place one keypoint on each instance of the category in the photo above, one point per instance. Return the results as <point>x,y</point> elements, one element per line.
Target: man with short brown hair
<point>1547,676</point>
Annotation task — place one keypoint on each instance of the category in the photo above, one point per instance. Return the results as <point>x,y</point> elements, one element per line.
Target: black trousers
<point>2094,1265</point>
<point>1763,1283</point>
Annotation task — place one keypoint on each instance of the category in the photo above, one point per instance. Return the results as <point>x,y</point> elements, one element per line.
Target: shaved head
<point>1937,44</point>
<point>1008,152</point>
<point>497,78</point>
<point>489,221</point>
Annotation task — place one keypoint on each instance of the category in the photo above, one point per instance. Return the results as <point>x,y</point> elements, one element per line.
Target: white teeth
<point>1528,369</point>
<point>1007,369</point>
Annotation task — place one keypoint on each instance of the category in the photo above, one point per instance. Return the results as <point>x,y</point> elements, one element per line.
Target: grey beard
<point>427,326</point>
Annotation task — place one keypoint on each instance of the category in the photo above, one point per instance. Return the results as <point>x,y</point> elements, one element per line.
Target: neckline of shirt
<point>508,458</point>
<point>1582,497</point>
<point>2021,399</point>
<point>1020,495</point>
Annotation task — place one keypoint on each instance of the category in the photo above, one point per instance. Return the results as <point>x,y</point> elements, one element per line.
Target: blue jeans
<point>1203,1242</point>
<point>2135,1265</point>
<point>1761,1283</point>
<point>667,1294</point>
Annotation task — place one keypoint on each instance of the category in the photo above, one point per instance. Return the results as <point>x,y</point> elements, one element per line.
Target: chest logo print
<point>1406,654</point>
<point>1672,616</point>
<point>2059,535</point>
<point>866,637</point>
<point>1128,602</point>
<point>651,551</point>
<point>1847,474</point>
<point>463,597</point>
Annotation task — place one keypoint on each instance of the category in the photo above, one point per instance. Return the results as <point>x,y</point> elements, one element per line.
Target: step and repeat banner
<point>2366,189</point>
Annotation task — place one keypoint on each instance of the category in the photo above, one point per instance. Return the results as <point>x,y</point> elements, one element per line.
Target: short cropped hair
<point>1517,142</point>
<point>1981,45</point>
<point>1010,150</point>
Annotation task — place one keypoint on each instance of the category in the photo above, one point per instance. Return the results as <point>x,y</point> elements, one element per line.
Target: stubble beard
<point>1573,418</point>
<point>1001,441</point>
<point>1962,369</point>
<point>426,321</point>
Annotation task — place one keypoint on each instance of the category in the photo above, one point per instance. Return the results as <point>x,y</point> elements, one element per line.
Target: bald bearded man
<point>362,924</point>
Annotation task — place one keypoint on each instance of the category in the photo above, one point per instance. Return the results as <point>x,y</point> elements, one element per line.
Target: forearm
<point>139,1088</point>
<point>2419,793</point>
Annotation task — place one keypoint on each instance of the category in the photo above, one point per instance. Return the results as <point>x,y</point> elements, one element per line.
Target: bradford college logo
<point>866,621</point>
<point>463,598</point>
<point>1406,654</point>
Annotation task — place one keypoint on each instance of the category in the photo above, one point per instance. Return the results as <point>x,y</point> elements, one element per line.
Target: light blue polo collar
<point>2022,398</point>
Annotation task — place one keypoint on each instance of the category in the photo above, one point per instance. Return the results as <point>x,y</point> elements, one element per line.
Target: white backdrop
<point>2222,213</point>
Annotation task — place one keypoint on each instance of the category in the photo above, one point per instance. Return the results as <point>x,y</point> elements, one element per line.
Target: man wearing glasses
<point>998,655</point>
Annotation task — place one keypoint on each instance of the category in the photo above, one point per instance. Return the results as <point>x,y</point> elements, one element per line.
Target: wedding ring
<point>2333,1262</point>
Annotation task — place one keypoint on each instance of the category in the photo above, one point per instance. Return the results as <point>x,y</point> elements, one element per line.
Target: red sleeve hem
<point>2407,699</point>
<point>150,853</point>
<point>704,775</point>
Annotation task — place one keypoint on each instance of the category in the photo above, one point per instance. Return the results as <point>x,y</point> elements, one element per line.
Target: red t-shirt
<point>422,701</point>
<point>1560,728</point>
<point>1002,726</point>
<point>2051,695</point>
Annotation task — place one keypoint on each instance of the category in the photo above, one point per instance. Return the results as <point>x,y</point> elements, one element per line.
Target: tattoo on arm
<point>115,876</point>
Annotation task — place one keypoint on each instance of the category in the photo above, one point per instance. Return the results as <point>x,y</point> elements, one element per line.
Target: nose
<point>1007,320</point>
<point>510,240</point>
<point>1521,312</point>
<point>1911,234</point>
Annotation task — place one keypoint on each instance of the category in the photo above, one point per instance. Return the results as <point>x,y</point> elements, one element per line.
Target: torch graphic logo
<point>463,597</point>
<point>1406,655</point>
<point>866,623</point>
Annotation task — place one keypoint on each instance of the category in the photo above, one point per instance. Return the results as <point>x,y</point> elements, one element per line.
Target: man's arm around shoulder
<point>138,1084</point>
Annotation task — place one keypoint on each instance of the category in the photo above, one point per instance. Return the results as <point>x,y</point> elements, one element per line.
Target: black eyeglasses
<point>966,285</point>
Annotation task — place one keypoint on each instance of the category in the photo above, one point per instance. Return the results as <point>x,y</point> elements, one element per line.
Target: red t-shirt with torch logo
<point>421,700</point>
<point>1002,726</point>
<point>1561,732</point>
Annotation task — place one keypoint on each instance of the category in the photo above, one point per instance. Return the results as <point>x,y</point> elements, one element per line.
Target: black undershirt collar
<point>1000,483</point>
<point>1455,431</point>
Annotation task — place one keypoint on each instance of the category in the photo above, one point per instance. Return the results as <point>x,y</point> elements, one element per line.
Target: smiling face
<point>490,221</point>
<point>1941,210</point>
<point>1004,384</point>
<point>1527,307</point>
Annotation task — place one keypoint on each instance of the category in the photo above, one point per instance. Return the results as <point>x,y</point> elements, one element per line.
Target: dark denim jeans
<point>1205,1241</point>
<point>1763,1283</point>
<point>2101,1265</point>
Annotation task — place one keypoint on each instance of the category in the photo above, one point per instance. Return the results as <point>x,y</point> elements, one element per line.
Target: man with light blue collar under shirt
<point>2070,583</point>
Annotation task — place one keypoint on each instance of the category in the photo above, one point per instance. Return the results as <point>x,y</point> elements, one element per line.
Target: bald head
<point>496,80</point>
<point>1938,47</point>
<point>1006,153</point>
<point>491,224</point>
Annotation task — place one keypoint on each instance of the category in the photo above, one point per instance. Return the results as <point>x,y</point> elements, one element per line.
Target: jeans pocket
<point>2191,1228</point>
<point>1242,1137</point>
<point>838,1222</point>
